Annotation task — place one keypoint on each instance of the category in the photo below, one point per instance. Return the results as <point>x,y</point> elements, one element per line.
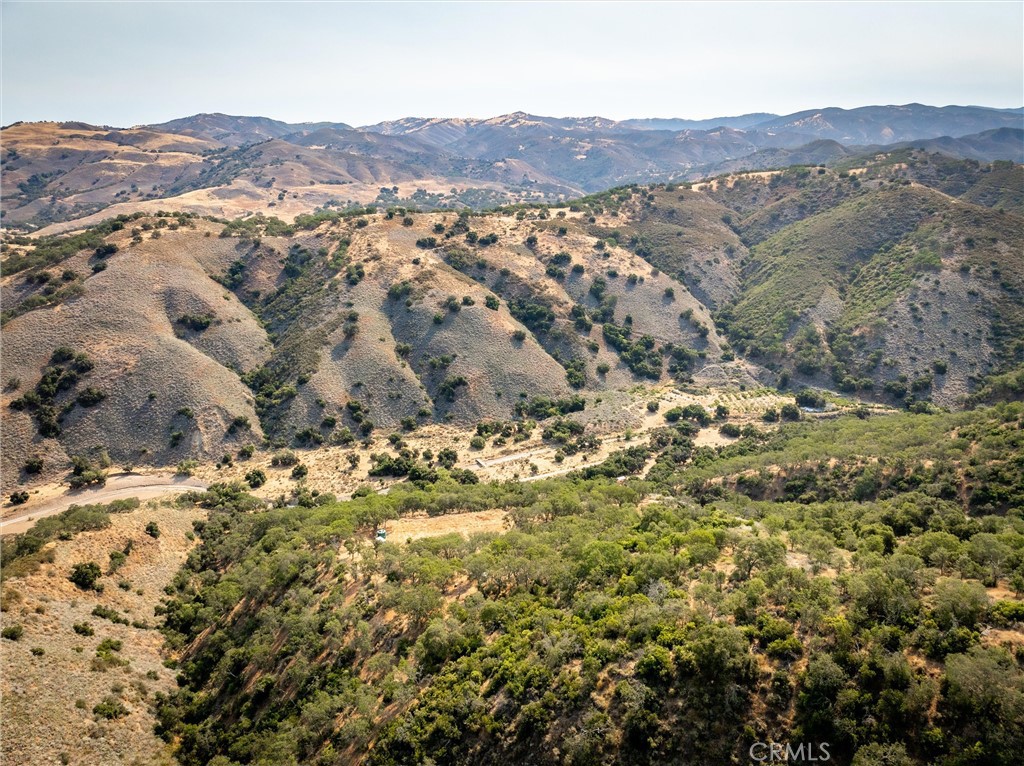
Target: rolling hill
<point>216,164</point>
<point>896,279</point>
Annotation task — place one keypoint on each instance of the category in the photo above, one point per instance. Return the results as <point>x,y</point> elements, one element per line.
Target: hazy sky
<point>140,62</point>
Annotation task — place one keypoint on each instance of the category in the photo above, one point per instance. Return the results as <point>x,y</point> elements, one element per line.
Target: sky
<point>131,63</point>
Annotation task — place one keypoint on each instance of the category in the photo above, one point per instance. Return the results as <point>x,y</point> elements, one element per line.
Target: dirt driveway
<point>116,488</point>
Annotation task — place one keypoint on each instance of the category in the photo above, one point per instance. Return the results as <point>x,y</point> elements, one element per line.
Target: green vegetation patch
<point>615,614</point>
<point>22,554</point>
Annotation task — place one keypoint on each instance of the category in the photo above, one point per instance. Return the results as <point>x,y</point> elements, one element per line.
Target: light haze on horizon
<point>126,64</point>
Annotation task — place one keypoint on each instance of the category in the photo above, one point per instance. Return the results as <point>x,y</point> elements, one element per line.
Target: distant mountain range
<point>741,122</point>
<point>230,166</point>
<point>238,131</point>
<point>864,125</point>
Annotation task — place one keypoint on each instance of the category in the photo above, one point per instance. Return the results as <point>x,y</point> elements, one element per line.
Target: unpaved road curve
<point>144,487</point>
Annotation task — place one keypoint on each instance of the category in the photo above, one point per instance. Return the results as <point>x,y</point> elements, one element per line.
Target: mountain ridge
<point>229,166</point>
<point>817,275</point>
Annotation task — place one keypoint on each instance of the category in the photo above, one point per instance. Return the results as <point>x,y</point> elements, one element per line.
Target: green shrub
<point>90,397</point>
<point>110,708</point>
<point>1007,613</point>
<point>450,386</point>
<point>810,398</point>
<point>239,423</point>
<point>108,614</point>
<point>256,478</point>
<point>117,559</point>
<point>447,457</point>
<point>196,322</point>
<point>284,459</point>
<point>85,575</point>
<point>785,648</point>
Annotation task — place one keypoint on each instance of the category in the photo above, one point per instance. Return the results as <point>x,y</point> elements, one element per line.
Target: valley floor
<point>622,421</point>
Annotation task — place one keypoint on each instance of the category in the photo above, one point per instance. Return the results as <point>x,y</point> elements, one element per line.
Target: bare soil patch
<point>410,528</point>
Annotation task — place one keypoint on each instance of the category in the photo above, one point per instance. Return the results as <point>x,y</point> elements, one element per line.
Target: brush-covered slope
<point>197,335</point>
<point>889,279</point>
<point>871,281</point>
<point>137,353</point>
<point>884,277</point>
<point>681,232</point>
<point>833,582</point>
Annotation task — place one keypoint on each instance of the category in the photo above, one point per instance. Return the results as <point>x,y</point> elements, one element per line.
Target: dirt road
<point>117,488</point>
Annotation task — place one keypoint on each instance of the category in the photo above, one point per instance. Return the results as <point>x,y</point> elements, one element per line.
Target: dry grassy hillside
<point>195,339</point>
<point>53,170</point>
<point>72,659</point>
<point>443,330</point>
<point>59,176</point>
<point>897,277</point>
<point>157,339</point>
<point>151,368</point>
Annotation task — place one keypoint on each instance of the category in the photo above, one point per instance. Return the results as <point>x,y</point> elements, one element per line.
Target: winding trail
<point>118,487</point>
